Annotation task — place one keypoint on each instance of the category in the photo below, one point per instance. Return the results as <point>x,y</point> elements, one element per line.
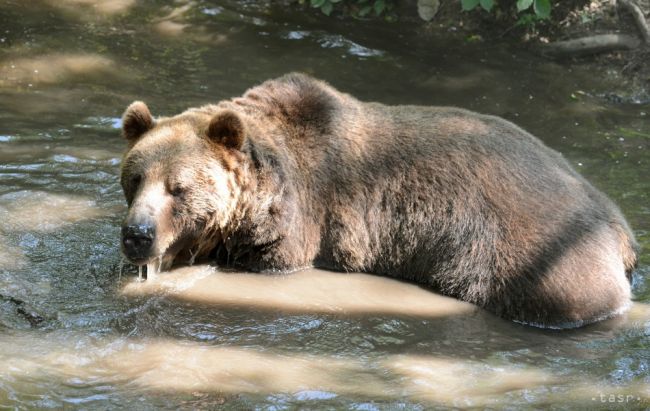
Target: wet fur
<point>467,204</point>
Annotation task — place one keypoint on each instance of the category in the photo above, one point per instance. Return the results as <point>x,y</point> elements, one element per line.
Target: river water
<point>76,333</point>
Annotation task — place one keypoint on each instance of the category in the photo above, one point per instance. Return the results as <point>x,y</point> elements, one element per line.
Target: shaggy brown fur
<point>296,174</point>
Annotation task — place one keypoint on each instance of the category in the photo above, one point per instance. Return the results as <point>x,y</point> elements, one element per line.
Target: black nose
<point>137,240</point>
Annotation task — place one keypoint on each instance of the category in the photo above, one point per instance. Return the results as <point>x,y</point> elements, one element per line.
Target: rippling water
<point>77,331</point>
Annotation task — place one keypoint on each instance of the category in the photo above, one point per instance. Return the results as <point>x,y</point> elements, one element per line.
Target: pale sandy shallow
<point>305,291</point>
<point>41,211</point>
<point>11,257</point>
<point>174,366</point>
<point>53,68</point>
<point>182,367</point>
<point>38,212</point>
<point>319,291</point>
<point>170,365</point>
<point>93,8</point>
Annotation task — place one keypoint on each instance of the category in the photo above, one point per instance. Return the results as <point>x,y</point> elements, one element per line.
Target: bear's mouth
<point>164,261</point>
<point>155,266</point>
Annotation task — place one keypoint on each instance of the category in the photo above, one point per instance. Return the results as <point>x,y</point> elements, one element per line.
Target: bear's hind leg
<point>586,283</point>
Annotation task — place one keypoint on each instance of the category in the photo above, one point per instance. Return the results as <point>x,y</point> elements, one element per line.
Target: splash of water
<point>119,274</point>
<point>193,256</point>
<point>153,268</point>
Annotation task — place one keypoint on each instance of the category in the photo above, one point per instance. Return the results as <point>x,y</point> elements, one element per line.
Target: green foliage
<point>468,5</point>
<point>530,11</point>
<point>541,8</point>
<point>524,5</point>
<point>357,8</point>
<point>528,20</point>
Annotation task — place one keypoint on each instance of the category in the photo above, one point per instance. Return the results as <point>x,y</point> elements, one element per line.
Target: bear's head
<point>183,178</point>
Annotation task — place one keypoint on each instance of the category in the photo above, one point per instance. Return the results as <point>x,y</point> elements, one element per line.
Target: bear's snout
<point>137,242</point>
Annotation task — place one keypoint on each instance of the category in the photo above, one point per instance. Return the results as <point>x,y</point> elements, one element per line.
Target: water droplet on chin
<point>153,268</point>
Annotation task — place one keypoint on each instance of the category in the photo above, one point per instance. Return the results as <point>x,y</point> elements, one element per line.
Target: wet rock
<point>23,310</point>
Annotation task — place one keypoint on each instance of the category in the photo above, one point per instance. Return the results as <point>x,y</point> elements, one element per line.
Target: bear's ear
<point>227,128</point>
<point>136,121</point>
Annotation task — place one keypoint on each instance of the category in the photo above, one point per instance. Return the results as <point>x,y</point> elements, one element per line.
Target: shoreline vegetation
<point>612,34</point>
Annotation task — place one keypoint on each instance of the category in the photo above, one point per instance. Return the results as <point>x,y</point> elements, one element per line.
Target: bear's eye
<point>135,180</point>
<point>177,191</point>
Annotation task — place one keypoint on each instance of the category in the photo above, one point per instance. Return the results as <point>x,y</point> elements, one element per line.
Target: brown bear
<point>296,174</point>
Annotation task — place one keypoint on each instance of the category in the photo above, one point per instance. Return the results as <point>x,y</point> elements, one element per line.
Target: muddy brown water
<point>73,335</point>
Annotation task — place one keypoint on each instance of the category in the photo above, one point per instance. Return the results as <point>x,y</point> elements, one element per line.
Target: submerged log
<point>600,43</point>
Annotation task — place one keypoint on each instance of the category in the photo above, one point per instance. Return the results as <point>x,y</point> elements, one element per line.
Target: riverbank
<point>612,37</point>
<point>604,34</point>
